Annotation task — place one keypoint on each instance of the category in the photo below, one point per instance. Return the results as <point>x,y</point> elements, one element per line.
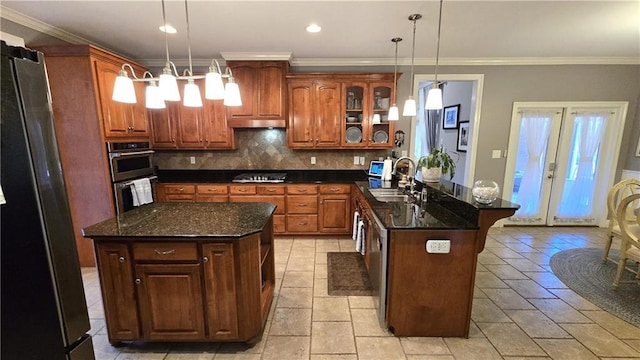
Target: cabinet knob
<point>138,281</point>
<point>205,259</point>
<point>200,140</point>
<point>121,259</point>
<point>173,140</point>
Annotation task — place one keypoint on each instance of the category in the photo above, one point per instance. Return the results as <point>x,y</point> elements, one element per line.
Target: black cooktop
<point>260,177</point>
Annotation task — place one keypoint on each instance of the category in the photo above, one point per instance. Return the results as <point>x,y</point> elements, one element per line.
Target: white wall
<point>457,92</point>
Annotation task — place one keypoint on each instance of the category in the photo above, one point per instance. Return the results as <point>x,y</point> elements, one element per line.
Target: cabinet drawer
<point>165,251</point>
<point>242,189</point>
<point>302,189</point>
<point>279,224</point>
<point>211,198</point>
<point>302,204</point>
<point>270,189</point>
<point>179,189</point>
<point>335,189</point>
<point>278,201</point>
<point>302,223</point>
<point>180,197</point>
<point>212,189</point>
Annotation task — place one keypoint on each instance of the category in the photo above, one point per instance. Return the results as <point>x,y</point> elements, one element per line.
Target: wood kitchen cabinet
<point>366,114</point>
<point>302,209</point>
<point>263,90</point>
<point>220,288</point>
<point>273,194</point>
<point>334,211</point>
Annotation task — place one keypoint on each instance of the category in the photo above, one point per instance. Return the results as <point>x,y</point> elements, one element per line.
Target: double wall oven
<point>129,161</point>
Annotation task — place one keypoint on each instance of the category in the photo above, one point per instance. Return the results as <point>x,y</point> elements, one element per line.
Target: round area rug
<point>583,271</point>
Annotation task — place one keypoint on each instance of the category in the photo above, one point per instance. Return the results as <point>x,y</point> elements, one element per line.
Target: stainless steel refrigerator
<point>43,307</point>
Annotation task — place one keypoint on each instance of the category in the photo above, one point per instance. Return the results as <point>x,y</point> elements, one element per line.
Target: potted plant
<point>436,164</point>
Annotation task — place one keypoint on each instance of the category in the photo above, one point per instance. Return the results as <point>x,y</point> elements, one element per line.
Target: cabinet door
<point>334,213</point>
<point>163,127</point>
<point>378,130</point>
<point>245,75</point>
<point>170,298</point>
<point>139,125</point>
<point>271,90</point>
<point>118,295</point>
<point>217,133</point>
<point>190,128</point>
<point>301,123</point>
<point>327,114</point>
<point>220,291</point>
<point>355,99</point>
<point>115,115</point>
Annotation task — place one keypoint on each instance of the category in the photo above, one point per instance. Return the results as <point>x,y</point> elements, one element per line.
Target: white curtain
<point>420,135</point>
<point>587,137</point>
<point>535,126</point>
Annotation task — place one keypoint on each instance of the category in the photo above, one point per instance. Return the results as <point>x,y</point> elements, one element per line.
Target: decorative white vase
<point>431,174</point>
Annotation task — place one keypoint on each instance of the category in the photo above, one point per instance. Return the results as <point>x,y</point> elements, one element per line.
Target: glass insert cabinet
<point>366,114</point>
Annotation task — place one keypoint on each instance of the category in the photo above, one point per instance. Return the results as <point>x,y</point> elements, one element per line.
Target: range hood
<point>256,123</point>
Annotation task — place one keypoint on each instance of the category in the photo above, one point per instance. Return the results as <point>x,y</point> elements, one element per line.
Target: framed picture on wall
<point>450,117</point>
<point>463,136</point>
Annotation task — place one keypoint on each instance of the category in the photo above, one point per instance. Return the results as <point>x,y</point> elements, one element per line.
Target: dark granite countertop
<point>449,206</point>
<point>293,176</point>
<point>185,220</point>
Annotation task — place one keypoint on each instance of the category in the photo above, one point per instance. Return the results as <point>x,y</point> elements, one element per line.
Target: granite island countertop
<point>185,220</point>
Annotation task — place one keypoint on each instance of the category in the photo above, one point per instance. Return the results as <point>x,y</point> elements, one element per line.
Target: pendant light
<point>434,98</point>
<point>192,96</point>
<point>410,108</point>
<point>393,110</point>
<point>168,83</point>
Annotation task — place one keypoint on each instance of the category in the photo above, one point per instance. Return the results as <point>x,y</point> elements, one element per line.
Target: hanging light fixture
<point>167,83</point>
<point>393,110</point>
<point>434,98</point>
<point>410,104</point>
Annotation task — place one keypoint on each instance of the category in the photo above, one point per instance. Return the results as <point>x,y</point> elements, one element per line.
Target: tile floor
<point>520,311</point>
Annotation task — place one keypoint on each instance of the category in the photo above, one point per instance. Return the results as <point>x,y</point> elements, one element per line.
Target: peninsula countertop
<point>185,220</point>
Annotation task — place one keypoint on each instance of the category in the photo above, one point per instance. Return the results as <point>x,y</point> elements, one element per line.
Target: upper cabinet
<point>340,111</point>
<point>263,90</point>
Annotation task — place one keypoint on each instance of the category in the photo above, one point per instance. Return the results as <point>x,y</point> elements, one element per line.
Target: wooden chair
<point>630,236</point>
<point>619,191</point>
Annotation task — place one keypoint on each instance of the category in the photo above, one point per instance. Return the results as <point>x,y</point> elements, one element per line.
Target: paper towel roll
<point>387,168</point>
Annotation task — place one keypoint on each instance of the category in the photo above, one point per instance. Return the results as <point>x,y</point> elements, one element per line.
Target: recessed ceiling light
<point>168,29</point>
<point>314,28</point>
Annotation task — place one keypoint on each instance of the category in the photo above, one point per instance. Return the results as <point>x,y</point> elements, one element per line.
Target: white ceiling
<point>354,32</point>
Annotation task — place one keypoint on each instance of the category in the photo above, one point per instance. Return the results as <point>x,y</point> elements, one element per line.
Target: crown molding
<point>274,56</point>
<point>40,26</point>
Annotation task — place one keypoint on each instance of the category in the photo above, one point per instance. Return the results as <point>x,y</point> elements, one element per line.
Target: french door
<point>562,159</point>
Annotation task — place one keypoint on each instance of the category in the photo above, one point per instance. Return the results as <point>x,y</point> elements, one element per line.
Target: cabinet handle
<point>181,189</point>
<point>302,205</point>
<point>121,259</point>
<point>302,190</point>
<point>302,223</point>
<point>138,281</point>
<point>166,252</point>
<point>205,259</point>
<point>242,190</point>
<point>335,189</point>
<point>271,190</point>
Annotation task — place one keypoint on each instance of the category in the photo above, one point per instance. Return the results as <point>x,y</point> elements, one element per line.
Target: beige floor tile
<point>573,299</point>
<point>102,349</point>
<point>331,309</point>
<point>510,340</point>
<point>546,279</point>
<point>599,341</point>
<point>424,346</point>
<point>505,253</point>
<point>347,245</point>
<point>361,302</point>
<point>332,338</point>
<point>487,280</point>
<point>430,357</point>
<point>237,357</point>
<point>536,324</point>
<point>504,272</point>
<point>98,326</point>
<point>365,323</point>
<point>286,347</point>
<point>300,264</point>
<point>559,311</point>
<point>379,348</point>
<point>333,357</point>
<point>280,269</point>
<point>299,279</point>
<point>635,344</point>
<point>472,349</point>
<point>321,258</point>
<point>566,349</point>
<point>488,258</point>
<point>519,247</point>
<point>484,310</point>
<point>474,331</point>
<point>189,356</point>
<point>320,271</point>
<point>295,298</point>
<point>478,293</point>
<point>613,324</point>
<point>140,356</point>
<point>538,258</point>
<point>308,254</point>
<point>524,265</point>
<point>291,322</point>
<point>507,299</point>
<point>320,288</point>
<point>527,358</point>
<point>529,289</point>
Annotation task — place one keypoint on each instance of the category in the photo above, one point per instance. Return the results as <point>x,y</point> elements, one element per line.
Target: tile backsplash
<point>264,149</point>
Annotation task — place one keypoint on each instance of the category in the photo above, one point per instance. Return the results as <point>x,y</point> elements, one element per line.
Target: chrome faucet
<point>410,177</point>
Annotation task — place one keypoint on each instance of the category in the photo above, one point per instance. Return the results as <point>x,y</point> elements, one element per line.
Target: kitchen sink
<point>389,195</point>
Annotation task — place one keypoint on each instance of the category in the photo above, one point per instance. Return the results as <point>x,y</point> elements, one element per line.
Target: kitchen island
<point>186,272</point>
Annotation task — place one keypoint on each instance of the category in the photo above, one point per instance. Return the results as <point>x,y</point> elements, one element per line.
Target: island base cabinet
<point>430,294</point>
<point>116,277</point>
<point>170,299</point>
<point>220,289</point>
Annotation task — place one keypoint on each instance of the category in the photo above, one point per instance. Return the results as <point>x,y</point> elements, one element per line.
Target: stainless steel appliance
<point>129,161</point>
<point>260,177</point>
<point>378,257</point>
<point>44,312</point>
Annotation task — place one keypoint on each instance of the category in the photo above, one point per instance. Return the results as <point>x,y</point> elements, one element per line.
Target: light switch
<point>192,160</point>
<point>361,160</point>
<point>313,160</point>
<point>356,160</point>
<point>496,154</point>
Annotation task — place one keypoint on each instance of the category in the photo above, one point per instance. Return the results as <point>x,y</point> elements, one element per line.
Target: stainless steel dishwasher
<point>378,258</point>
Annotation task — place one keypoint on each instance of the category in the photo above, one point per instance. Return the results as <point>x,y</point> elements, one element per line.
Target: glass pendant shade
<point>153,97</point>
<point>214,88</point>
<point>410,108</point>
<point>434,99</point>
<point>123,90</point>
<point>232,94</point>
<point>393,113</point>
<point>192,96</point>
<point>169,86</point>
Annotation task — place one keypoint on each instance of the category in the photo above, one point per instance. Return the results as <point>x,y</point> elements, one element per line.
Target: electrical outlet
<point>496,154</point>
<point>356,160</point>
<point>380,158</point>
<point>405,153</point>
<point>313,160</point>
<point>192,160</point>
<point>361,160</point>
<point>438,246</point>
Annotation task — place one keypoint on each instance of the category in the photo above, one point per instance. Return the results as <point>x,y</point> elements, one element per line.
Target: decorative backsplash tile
<point>264,149</point>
